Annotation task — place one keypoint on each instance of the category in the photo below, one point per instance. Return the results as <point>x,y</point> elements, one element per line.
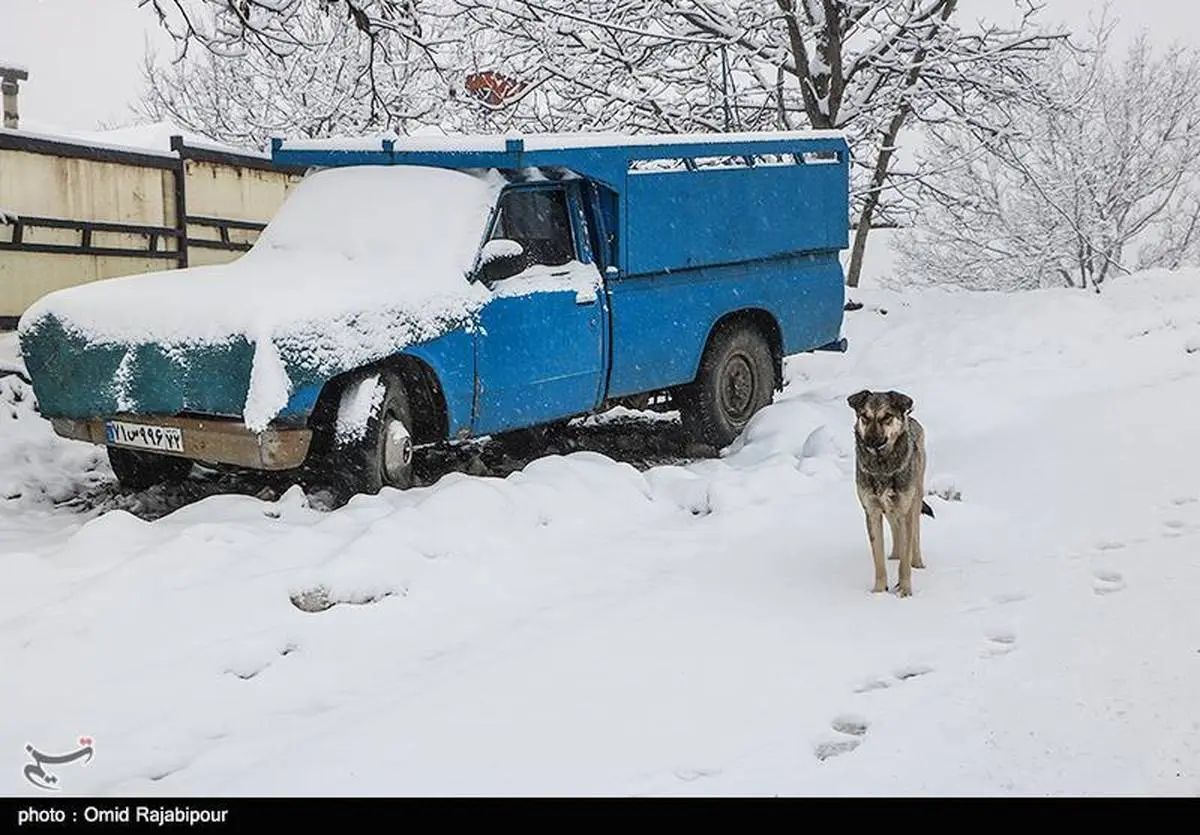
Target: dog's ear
<point>902,402</point>
<point>857,400</point>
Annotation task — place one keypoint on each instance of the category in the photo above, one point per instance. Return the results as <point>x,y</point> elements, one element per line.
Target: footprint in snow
<point>873,684</point>
<point>1108,582</point>
<point>1109,546</point>
<point>913,671</point>
<point>851,725</point>
<point>850,729</point>
<point>903,674</point>
<point>245,673</point>
<point>999,642</point>
<point>690,775</point>
<point>1174,527</point>
<point>834,748</point>
<point>320,599</point>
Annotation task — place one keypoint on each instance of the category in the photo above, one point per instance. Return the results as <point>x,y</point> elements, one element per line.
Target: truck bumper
<point>209,440</point>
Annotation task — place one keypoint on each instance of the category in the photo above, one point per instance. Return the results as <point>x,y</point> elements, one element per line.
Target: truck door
<point>540,350</point>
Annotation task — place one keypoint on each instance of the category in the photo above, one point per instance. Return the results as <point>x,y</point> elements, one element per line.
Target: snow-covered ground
<point>10,354</point>
<point>586,628</point>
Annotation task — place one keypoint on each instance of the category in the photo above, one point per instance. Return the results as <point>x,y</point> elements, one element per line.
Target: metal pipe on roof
<point>10,85</point>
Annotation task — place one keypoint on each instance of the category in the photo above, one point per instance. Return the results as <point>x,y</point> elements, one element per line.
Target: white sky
<point>84,56</point>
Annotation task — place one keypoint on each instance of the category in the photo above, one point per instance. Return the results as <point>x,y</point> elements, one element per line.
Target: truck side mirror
<point>500,258</point>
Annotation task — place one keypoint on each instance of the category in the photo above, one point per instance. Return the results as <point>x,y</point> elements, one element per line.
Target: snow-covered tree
<point>872,68</point>
<point>1102,181</point>
<point>236,28</point>
<point>309,68</point>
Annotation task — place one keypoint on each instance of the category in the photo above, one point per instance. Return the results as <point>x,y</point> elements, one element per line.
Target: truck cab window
<point>539,221</point>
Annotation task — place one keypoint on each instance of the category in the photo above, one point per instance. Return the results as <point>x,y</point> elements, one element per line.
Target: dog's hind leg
<point>875,534</point>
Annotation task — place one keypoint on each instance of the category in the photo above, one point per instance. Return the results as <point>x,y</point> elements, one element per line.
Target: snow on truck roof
<point>544,142</point>
<point>605,156</point>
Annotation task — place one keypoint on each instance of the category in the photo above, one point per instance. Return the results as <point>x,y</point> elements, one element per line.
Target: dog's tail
<point>926,509</point>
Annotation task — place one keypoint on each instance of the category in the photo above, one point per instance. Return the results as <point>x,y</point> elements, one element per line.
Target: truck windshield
<point>397,213</point>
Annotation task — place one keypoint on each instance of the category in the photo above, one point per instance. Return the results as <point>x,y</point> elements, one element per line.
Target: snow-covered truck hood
<point>359,263</point>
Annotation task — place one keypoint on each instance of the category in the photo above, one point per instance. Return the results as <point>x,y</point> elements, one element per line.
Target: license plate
<point>143,436</point>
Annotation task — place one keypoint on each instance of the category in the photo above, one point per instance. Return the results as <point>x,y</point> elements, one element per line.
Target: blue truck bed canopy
<point>734,197</point>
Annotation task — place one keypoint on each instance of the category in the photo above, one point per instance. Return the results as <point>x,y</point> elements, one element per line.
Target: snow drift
<point>582,628</point>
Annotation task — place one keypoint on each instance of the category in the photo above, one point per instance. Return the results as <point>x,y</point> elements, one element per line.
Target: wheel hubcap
<point>737,389</point>
<point>397,449</point>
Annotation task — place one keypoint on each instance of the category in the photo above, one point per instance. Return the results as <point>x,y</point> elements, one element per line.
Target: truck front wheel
<point>139,470</point>
<point>736,380</point>
<point>371,448</point>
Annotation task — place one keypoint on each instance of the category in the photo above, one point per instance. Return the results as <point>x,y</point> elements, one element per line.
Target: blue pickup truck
<point>420,291</point>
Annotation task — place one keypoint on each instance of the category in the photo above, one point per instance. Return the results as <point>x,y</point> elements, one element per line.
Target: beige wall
<point>27,276</point>
<point>83,189</point>
<point>74,188</point>
<point>226,191</point>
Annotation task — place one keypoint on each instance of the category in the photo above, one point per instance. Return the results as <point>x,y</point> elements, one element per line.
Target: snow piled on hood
<point>358,263</point>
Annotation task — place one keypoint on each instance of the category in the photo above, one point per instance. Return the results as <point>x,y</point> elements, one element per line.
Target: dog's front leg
<point>875,534</point>
<point>891,519</point>
<point>915,520</point>
<point>904,544</point>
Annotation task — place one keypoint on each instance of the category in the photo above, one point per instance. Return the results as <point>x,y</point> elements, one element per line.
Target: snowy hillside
<point>583,627</point>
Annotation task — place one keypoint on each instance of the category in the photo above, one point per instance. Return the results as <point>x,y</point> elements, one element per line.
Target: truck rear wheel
<point>381,455</point>
<point>736,380</point>
<point>139,470</point>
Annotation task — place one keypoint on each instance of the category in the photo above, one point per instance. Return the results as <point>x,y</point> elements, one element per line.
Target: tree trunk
<point>859,249</point>
<point>884,160</point>
<point>871,203</point>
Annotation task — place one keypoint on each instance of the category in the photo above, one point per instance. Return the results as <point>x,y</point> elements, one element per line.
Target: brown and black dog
<point>889,466</point>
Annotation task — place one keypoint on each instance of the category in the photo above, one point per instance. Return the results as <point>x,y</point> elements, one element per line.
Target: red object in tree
<point>492,88</point>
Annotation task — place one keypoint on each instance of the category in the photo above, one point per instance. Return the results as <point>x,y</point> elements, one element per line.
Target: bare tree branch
<point>1111,163</point>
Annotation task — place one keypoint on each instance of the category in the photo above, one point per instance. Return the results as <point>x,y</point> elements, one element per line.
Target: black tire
<point>377,459</point>
<point>736,380</point>
<point>137,470</point>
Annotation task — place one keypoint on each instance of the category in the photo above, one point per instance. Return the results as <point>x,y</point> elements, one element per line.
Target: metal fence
<point>71,212</point>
